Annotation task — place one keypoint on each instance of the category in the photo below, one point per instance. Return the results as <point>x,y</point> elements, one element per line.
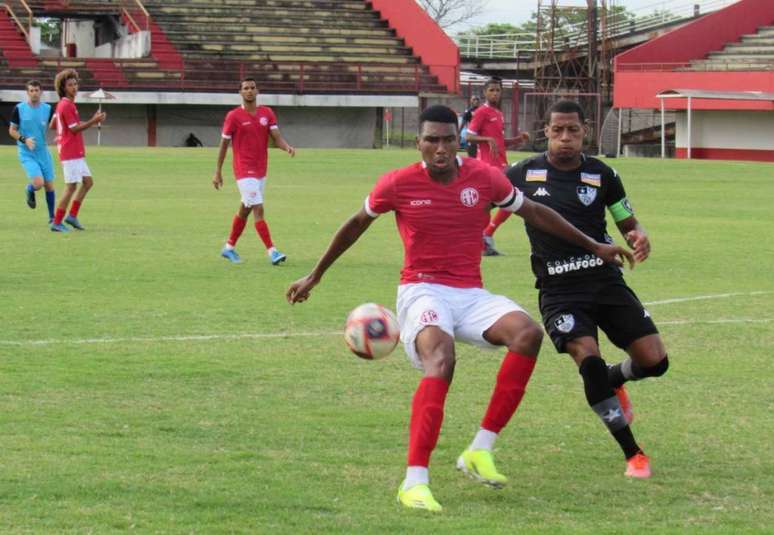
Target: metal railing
<point>504,46</point>
<point>21,5</point>
<point>133,9</point>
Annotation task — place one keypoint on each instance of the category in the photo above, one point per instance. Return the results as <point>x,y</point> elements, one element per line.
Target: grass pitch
<point>148,385</point>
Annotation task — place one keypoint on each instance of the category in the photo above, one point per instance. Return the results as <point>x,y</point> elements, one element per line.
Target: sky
<point>519,11</point>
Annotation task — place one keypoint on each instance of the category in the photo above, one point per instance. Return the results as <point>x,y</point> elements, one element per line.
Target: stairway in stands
<point>755,52</point>
<point>13,45</point>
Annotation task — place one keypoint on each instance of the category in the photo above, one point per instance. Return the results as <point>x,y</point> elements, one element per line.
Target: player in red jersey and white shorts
<point>487,129</point>
<point>72,153</point>
<point>441,206</point>
<point>248,128</point>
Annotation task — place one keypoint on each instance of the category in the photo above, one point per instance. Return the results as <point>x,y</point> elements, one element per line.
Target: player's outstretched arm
<point>344,238</point>
<point>548,220</point>
<point>635,237</point>
<point>217,180</point>
<point>492,142</point>
<point>281,142</point>
<point>98,117</point>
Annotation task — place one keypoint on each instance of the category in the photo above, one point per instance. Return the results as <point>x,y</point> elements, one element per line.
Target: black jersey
<point>581,197</point>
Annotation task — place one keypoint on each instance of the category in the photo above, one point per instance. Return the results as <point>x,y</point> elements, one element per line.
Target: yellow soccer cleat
<point>479,465</point>
<point>418,497</point>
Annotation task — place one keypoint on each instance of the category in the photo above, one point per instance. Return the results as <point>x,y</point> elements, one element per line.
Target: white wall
<point>82,34</point>
<point>752,130</point>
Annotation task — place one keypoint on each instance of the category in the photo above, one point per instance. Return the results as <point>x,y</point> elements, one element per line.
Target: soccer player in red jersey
<point>487,129</point>
<point>248,127</point>
<point>441,206</point>
<point>72,153</point>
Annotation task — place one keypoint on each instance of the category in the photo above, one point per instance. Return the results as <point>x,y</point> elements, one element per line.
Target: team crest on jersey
<point>587,194</point>
<point>429,317</point>
<point>264,121</point>
<point>565,323</point>
<point>591,179</point>
<point>469,197</point>
<point>537,175</point>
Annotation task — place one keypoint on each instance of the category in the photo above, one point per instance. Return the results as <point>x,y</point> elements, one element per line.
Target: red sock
<point>263,231</point>
<point>74,207</point>
<point>512,380</point>
<point>237,226</point>
<point>426,419</point>
<point>59,216</point>
<point>500,217</point>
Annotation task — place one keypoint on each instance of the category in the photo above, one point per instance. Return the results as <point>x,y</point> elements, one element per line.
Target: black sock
<point>603,401</point>
<point>629,370</point>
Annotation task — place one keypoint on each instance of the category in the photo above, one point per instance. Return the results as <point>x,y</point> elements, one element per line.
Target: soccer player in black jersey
<point>578,291</point>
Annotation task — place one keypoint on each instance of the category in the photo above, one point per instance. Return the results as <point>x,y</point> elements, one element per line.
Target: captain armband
<point>621,210</point>
<point>512,202</point>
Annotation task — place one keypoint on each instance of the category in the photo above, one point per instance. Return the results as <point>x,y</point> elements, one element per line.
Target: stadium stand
<point>754,52</point>
<point>317,46</point>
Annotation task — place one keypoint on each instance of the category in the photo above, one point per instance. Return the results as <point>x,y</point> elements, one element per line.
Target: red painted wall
<point>645,70</point>
<point>429,42</point>
<point>638,89</point>
<point>726,154</point>
<point>696,39</point>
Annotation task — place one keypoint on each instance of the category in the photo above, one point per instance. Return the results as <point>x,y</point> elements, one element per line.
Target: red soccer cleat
<point>638,466</point>
<point>626,404</point>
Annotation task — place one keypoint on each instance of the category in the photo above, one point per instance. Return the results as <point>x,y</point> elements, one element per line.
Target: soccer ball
<point>372,331</point>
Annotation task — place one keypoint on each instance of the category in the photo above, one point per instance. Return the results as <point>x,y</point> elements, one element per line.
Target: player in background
<point>72,152</point>
<point>29,123</point>
<point>487,130</point>
<point>249,127</point>
<point>579,292</point>
<point>441,206</point>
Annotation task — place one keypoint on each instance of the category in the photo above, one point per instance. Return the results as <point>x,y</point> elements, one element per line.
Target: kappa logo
<point>421,202</point>
<point>429,317</point>
<point>469,197</point>
<point>587,194</point>
<point>565,323</point>
<point>645,313</point>
<point>541,192</point>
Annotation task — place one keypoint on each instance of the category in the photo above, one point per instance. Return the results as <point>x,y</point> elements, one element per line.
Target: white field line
<point>257,336</point>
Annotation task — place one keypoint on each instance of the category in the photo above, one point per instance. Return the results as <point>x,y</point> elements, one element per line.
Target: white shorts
<point>75,170</point>
<point>251,190</point>
<point>463,313</point>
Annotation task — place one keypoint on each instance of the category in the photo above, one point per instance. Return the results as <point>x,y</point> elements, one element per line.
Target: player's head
<point>565,130</point>
<point>493,90</point>
<point>474,101</point>
<point>33,91</point>
<point>438,139</point>
<point>66,83</point>
<point>248,88</point>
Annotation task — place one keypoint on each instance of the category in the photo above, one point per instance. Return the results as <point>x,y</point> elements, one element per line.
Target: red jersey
<point>441,224</point>
<point>249,135</point>
<point>488,121</point>
<point>69,143</point>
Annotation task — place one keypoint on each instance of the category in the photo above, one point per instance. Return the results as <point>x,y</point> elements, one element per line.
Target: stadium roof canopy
<point>691,94</point>
<point>715,95</point>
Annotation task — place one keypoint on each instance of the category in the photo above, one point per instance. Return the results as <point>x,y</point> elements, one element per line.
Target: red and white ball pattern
<point>372,331</point>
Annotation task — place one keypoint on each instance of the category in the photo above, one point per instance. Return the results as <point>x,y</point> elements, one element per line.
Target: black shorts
<point>613,307</point>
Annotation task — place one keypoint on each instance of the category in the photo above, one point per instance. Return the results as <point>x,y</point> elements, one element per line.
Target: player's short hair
<point>248,79</point>
<point>494,80</point>
<point>61,80</point>
<point>32,83</point>
<point>565,106</point>
<point>438,113</point>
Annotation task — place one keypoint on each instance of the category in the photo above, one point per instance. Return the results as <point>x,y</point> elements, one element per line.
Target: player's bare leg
<point>436,352</point>
<point>262,228</point>
<point>72,217</point>
<point>61,209</point>
<point>522,336</point>
<point>604,402</point>
<point>34,185</point>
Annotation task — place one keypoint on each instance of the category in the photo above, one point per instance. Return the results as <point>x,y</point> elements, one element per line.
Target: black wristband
<point>22,139</point>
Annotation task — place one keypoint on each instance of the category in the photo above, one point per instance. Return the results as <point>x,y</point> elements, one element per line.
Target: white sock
<point>484,440</point>
<point>416,475</point>
<point>270,250</point>
<point>228,247</point>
